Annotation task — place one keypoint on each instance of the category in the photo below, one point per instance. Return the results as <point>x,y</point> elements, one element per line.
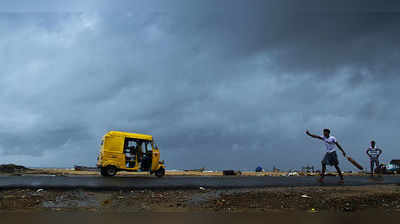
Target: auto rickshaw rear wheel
<point>109,171</point>
<point>160,172</point>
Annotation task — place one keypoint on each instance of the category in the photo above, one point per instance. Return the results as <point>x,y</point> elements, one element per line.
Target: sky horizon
<point>219,84</point>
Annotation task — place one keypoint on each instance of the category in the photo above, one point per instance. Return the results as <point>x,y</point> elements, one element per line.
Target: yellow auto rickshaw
<point>129,152</point>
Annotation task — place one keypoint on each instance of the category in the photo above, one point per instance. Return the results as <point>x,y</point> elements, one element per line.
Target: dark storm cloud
<point>219,85</point>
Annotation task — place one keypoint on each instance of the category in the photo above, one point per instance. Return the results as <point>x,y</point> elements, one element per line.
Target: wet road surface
<point>179,182</point>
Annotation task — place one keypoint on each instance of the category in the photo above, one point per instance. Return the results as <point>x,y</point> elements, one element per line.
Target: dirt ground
<point>339,199</point>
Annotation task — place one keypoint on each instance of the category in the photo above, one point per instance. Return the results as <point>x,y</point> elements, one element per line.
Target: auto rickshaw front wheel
<point>160,172</point>
<point>108,171</point>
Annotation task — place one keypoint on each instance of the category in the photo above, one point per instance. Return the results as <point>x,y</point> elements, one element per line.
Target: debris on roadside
<point>85,168</point>
<point>305,196</point>
<point>313,210</point>
<point>293,173</point>
<point>347,207</point>
<point>231,173</point>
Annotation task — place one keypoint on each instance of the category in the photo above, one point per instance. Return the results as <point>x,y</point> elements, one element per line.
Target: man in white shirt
<point>130,157</point>
<point>330,157</point>
<point>373,152</point>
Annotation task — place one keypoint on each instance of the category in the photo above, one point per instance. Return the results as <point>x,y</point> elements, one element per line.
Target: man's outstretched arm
<point>368,153</point>
<point>313,136</point>
<point>341,149</point>
<point>380,152</point>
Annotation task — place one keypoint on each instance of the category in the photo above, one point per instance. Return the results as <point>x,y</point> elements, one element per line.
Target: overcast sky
<point>220,84</point>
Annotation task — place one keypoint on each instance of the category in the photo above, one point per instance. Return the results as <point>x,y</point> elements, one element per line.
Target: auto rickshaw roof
<point>130,135</point>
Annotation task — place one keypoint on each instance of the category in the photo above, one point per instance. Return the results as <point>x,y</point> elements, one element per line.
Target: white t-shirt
<point>330,143</point>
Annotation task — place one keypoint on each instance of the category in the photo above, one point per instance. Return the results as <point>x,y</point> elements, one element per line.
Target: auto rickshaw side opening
<point>129,152</point>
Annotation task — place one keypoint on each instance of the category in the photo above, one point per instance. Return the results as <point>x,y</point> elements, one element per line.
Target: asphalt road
<point>178,182</point>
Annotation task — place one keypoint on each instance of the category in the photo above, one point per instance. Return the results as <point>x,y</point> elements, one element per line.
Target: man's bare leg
<point>378,171</point>
<point>321,180</point>
<point>372,167</point>
<point>340,174</point>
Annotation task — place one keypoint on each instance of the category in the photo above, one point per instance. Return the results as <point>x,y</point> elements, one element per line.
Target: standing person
<point>130,157</point>
<point>373,152</point>
<point>330,157</point>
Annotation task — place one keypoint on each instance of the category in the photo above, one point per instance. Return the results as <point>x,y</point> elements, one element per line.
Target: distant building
<point>395,163</point>
<point>392,167</point>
